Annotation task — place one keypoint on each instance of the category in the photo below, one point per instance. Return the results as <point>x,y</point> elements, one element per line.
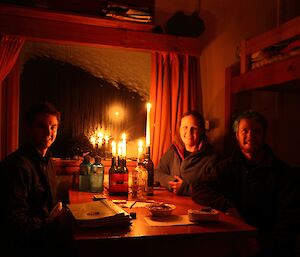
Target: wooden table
<point>226,237</point>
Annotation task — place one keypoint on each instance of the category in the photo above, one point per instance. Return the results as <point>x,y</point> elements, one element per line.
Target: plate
<point>160,209</point>
<point>203,215</point>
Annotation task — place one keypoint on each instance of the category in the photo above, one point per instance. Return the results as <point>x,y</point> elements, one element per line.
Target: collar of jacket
<point>267,161</point>
<point>32,152</point>
<point>180,147</point>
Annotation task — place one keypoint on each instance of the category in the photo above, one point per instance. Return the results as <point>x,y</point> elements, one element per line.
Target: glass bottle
<point>111,175</point>
<point>133,184</point>
<point>148,164</point>
<point>97,176</point>
<point>123,177</point>
<point>142,180</point>
<point>118,178</point>
<point>84,172</point>
<point>137,185</point>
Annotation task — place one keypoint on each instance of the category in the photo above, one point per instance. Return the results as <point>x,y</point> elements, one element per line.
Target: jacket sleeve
<point>28,229</point>
<point>19,215</point>
<point>211,190</point>
<point>193,172</point>
<point>163,172</point>
<point>287,224</point>
<point>185,189</point>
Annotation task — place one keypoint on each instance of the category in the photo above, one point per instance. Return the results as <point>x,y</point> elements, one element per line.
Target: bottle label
<point>150,190</point>
<point>133,185</point>
<point>137,188</point>
<point>84,183</point>
<point>96,182</point>
<point>84,169</point>
<point>118,182</point>
<point>148,164</point>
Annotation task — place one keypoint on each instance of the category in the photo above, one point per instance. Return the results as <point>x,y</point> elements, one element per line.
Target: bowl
<point>160,209</point>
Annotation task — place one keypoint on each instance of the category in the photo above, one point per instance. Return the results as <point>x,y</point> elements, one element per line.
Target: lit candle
<point>148,125</point>
<point>140,148</point>
<point>124,145</point>
<point>100,138</point>
<point>106,137</point>
<point>93,141</point>
<point>113,148</point>
<point>120,149</point>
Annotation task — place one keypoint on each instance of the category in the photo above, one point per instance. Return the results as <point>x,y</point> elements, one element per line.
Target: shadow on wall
<point>210,27</point>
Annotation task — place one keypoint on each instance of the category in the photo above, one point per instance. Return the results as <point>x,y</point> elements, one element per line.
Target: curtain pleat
<point>10,47</point>
<point>173,91</point>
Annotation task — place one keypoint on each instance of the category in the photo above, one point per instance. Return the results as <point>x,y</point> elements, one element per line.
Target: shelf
<point>249,46</point>
<point>268,75</point>
<point>64,28</point>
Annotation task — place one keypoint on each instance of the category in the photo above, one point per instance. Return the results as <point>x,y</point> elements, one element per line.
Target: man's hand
<point>56,211</point>
<point>175,184</point>
<point>235,213</point>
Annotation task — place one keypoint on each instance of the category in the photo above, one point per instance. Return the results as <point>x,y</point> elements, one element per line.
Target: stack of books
<point>128,13</point>
<point>102,213</point>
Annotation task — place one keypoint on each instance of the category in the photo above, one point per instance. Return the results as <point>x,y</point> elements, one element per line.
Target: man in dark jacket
<point>33,221</point>
<point>256,186</point>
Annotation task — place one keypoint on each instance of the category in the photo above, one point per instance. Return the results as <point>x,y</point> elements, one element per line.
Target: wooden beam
<point>268,75</point>
<point>285,31</point>
<point>58,27</point>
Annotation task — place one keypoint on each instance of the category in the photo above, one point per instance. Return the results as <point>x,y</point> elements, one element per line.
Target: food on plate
<point>203,214</point>
<point>160,208</point>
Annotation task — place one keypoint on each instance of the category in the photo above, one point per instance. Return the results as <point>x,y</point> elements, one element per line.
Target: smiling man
<point>256,186</point>
<point>41,128</point>
<point>31,221</point>
<point>250,132</point>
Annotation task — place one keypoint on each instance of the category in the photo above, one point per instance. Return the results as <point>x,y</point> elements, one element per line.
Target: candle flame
<point>120,148</point>
<point>113,148</point>
<point>140,143</point>
<point>148,106</point>
<point>99,136</point>
<point>123,144</point>
<point>106,138</point>
<point>93,140</point>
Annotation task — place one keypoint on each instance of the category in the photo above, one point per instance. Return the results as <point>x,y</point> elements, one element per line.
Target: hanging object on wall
<point>181,24</point>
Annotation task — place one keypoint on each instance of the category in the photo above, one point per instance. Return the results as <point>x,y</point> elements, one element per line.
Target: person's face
<point>250,136</point>
<point>43,131</point>
<point>190,131</point>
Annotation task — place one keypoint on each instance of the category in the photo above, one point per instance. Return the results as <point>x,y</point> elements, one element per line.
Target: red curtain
<point>10,47</point>
<point>173,91</point>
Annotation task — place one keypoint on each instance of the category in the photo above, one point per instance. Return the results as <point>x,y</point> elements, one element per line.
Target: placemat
<point>172,220</point>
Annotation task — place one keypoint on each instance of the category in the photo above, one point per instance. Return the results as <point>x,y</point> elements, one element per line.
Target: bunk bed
<point>269,62</point>
<point>278,71</point>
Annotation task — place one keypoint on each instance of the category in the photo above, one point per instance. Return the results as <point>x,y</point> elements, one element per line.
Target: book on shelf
<point>136,18</point>
<point>124,12</point>
<point>102,213</point>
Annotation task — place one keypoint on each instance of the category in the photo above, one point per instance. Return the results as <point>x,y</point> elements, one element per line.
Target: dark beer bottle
<point>118,177</point>
<point>148,164</point>
<point>111,175</point>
